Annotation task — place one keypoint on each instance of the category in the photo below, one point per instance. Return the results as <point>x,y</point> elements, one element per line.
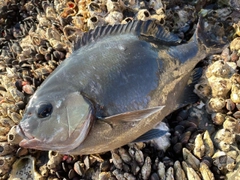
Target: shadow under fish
<point>118,84</point>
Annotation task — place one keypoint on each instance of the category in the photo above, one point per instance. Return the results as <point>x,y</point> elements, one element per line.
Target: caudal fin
<point>213,39</point>
<point>204,42</point>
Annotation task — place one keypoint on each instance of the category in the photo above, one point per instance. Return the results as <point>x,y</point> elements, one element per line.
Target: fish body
<point>117,85</point>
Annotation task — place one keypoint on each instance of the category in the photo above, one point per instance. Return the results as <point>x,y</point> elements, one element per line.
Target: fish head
<point>54,122</point>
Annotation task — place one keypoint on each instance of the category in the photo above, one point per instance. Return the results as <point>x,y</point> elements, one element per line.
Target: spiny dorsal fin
<point>146,29</point>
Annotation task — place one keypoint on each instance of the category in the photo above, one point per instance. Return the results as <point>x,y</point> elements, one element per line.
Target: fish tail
<point>212,40</point>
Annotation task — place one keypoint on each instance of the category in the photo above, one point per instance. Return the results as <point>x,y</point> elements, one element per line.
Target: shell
<point>223,139</point>
<point>218,118</point>
<point>190,159</point>
<point>155,4</point>
<point>236,28</point>
<point>199,148</point>
<point>50,12</point>
<point>143,15</point>
<point>208,144</point>
<point>124,155</point>
<point>235,44</point>
<point>159,18</point>
<point>25,168</point>
<point>68,31</point>
<point>215,104</point>
<point>6,163</point>
<point>219,69</point>
<point>220,87</point>
<point>54,159</point>
<point>44,171</point>
<point>6,148</point>
<point>230,105</point>
<point>203,90</point>
<point>13,137</point>
<point>224,163</point>
<point>161,170</point>
<point>146,168</point>
<point>95,21</point>
<point>104,175</point>
<point>225,54</point>
<point>190,172</point>
<point>68,12</point>
<point>235,93</point>
<point>170,173</point>
<point>114,17</point>
<point>117,161</point>
<point>98,10</point>
<point>233,154</point>
<point>230,124</point>
<point>206,172</point>
<point>118,174</point>
<point>115,5</point>
<point>79,168</point>
<point>179,173</point>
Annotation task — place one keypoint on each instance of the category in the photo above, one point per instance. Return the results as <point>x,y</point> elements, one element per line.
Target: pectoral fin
<point>134,115</point>
<point>152,134</point>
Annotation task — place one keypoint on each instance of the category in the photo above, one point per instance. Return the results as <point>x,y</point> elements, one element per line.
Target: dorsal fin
<point>145,29</point>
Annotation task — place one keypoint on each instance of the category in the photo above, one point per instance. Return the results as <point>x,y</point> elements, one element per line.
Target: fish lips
<point>28,140</point>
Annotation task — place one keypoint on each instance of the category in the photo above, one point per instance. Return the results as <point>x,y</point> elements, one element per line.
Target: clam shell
<point>146,168</point>
<point>117,161</point>
<point>170,173</point>
<point>199,148</point>
<point>190,159</point>
<point>124,155</point>
<point>209,147</point>
<point>179,173</point>
<point>206,172</point>
<point>161,170</point>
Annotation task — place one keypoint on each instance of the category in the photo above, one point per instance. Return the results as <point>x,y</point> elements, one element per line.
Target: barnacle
<point>25,168</point>
<point>94,22</point>
<point>143,15</point>
<point>235,44</point>
<point>114,17</point>
<point>215,104</point>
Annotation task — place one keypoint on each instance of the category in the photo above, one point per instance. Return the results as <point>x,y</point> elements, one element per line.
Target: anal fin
<point>152,134</point>
<point>188,96</point>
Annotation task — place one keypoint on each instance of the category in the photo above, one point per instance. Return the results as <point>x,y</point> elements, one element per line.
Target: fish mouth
<point>23,133</point>
<point>28,139</point>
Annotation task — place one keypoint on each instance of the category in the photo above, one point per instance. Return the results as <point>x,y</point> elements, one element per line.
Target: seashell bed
<point>37,35</point>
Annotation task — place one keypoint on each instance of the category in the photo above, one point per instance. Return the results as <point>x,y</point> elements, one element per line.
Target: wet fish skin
<point>118,72</point>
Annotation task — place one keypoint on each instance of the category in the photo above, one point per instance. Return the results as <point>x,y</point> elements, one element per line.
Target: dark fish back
<point>123,65</point>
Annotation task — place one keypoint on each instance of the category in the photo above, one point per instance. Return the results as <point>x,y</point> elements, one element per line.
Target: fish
<point>119,83</point>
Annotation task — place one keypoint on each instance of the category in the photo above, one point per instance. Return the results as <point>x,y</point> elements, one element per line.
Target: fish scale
<point>118,84</point>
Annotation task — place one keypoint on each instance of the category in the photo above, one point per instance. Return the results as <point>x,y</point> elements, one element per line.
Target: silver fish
<point>117,85</point>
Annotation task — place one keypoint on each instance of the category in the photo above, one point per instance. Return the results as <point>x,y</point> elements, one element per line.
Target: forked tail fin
<point>203,43</point>
<point>211,40</point>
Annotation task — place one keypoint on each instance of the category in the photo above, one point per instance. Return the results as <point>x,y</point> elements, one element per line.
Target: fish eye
<point>44,110</point>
